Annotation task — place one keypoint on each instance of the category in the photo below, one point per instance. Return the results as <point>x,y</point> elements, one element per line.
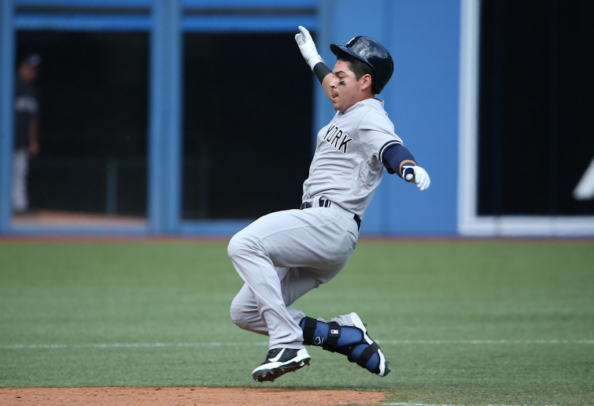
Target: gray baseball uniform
<point>283,255</point>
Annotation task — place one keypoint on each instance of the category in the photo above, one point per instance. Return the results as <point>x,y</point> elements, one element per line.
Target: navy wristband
<point>321,71</point>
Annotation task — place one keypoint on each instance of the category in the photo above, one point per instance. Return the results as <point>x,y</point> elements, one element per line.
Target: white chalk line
<point>484,342</point>
<point>263,343</point>
<point>121,345</point>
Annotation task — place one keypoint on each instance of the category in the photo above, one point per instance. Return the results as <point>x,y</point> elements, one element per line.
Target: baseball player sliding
<point>284,255</point>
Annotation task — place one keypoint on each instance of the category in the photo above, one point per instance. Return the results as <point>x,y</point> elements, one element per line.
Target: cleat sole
<point>269,375</point>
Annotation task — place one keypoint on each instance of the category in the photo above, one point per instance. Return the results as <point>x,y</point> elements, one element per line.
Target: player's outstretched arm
<point>310,53</point>
<point>398,159</point>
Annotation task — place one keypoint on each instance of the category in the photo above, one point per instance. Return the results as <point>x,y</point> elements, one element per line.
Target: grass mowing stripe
<point>261,343</point>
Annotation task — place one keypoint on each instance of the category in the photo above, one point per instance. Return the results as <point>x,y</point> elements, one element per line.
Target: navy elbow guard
<point>393,155</point>
<point>346,340</point>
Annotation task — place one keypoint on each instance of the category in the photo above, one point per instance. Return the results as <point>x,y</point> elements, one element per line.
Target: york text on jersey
<point>335,137</point>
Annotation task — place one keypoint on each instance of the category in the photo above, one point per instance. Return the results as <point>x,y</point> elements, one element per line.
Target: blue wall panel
<point>196,4</point>
<point>7,56</point>
<point>165,133</point>
<point>247,23</point>
<point>424,40</point>
<point>84,3</point>
<point>251,4</point>
<point>82,22</point>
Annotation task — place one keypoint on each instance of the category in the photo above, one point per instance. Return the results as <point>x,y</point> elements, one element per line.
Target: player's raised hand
<point>416,174</point>
<point>307,47</point>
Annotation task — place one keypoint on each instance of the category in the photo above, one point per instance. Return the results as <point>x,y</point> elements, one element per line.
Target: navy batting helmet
<point>373,54</point>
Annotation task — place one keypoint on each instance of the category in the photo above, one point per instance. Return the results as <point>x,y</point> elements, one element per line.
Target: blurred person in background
<point>26,128</point>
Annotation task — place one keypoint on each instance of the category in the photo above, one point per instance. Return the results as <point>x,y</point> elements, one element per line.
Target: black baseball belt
<point>323,202</point>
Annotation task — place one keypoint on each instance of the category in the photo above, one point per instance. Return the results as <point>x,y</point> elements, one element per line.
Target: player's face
<point>27,73</point>
<point>345,89</point>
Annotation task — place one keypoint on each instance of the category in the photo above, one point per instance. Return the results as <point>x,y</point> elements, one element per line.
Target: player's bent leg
<point>294,284</point>
<point>351,340</point>
<point>263,252</point>
<point>280,258</point>
<point>254,266</point>
<point>19,183</point>
<point>244,312</point>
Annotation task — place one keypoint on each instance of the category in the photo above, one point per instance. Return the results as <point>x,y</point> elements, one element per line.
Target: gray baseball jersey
<point>347,166</point>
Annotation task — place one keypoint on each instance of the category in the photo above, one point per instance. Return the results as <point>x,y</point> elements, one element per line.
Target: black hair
<point>358,67</point>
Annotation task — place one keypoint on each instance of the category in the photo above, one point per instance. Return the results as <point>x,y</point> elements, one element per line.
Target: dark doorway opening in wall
<point>536,103</point>
<point>247,125</point>
<point>93,98</point>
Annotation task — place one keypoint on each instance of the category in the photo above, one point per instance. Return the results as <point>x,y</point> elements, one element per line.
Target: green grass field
<point>505,322</point>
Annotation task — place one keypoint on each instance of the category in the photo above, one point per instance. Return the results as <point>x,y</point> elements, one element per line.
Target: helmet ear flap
<point>374,54</point>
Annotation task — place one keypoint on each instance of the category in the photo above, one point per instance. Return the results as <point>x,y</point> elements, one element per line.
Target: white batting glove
<point>308,47</point>
<point>416,174</point>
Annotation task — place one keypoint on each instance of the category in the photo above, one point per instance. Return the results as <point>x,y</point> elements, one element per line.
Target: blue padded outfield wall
<point>423,37</point>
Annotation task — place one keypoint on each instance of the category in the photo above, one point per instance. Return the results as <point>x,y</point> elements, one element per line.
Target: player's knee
<point>234,246</point>
<point>243,245</point>
<point>238,314</point>
<point>238,245</point>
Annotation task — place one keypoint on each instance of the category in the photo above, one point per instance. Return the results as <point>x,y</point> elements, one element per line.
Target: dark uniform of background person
<point>26,129</point>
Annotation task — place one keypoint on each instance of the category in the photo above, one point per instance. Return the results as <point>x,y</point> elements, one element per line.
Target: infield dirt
<point>184,396</point>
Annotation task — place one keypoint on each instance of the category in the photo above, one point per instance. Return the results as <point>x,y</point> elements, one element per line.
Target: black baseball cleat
<point>279,361</point>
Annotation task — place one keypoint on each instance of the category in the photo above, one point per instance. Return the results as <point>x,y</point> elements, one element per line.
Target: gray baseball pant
<point>282,256</point>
